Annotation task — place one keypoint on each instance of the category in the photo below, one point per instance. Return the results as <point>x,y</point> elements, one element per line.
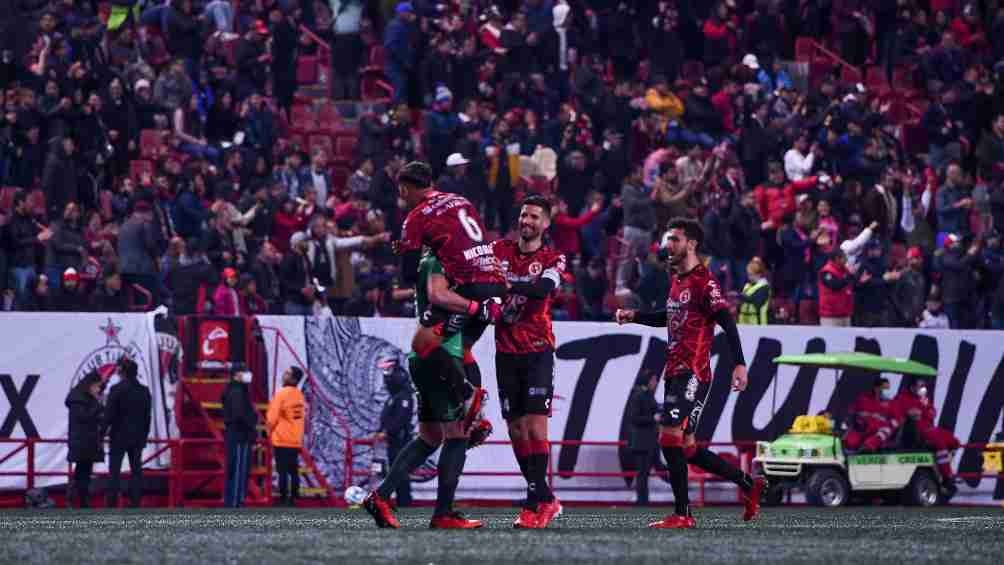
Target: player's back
<point>450,225</point>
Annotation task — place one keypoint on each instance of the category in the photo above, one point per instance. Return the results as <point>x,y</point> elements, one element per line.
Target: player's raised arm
<point>654,319</point>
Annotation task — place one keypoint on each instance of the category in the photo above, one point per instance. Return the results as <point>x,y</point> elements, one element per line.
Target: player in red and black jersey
<point>524,359</point>
<point>695,304</point>
<point>450,226</point>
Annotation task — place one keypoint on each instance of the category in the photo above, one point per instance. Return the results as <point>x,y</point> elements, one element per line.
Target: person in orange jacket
<point>285,417</point>
<point>914,403</point>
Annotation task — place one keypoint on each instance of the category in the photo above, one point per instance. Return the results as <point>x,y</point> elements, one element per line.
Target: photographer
<point>127,423</point>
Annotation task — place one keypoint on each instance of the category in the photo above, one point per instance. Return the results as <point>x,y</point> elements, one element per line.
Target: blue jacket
<point>399,41</point>
<point>951,220</point>
<point>189,215</point>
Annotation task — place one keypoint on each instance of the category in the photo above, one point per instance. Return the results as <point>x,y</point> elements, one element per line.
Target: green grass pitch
<point>583,535</point>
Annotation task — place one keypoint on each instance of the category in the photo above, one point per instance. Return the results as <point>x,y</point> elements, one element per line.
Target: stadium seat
<point>138,167</point>
<point>302,120</point>
<point>36,201</point>
<point>320,141</point>
<point>345,148</point>
<point>151,144</point>
<point>328,118</point>
<point>7,198</point>
<point>306,69</point>
<point>340,176</point>
<point>805,49</point>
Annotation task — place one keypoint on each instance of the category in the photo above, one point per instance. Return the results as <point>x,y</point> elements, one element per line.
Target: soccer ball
<point>355,495</point>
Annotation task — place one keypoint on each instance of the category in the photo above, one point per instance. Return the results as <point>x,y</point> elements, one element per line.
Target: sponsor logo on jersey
<point>477,251</point>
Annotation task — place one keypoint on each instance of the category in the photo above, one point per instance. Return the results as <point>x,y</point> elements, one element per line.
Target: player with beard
<point>695,304</point>
<point>524,362</point>
<point>450,226</point>
<point>440,418</point>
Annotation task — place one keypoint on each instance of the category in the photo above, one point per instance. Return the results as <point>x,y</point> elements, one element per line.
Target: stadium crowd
<point>150,154</point>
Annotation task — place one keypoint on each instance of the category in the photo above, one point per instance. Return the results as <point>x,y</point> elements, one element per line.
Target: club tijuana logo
<point>107,356</point>
<point>209,344</point>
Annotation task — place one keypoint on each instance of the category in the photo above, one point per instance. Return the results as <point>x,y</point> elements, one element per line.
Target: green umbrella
<point>865,361</point>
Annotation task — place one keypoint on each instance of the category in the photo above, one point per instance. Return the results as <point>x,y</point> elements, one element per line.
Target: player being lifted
<point>524,359</point>
<point>695,304</point>
<point>440,417</point>
<point>450,226</point>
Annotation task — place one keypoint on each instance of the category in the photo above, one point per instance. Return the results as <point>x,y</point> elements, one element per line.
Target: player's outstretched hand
<point>739,378</point>
<point>624,316</point>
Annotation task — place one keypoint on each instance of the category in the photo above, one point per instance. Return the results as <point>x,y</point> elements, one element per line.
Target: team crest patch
<point>684,296</point>
<point>536,268</point>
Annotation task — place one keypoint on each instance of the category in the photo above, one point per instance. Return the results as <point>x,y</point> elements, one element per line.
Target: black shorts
<point>435,403</point>
<point>526,383</point>
<point>683,402</point>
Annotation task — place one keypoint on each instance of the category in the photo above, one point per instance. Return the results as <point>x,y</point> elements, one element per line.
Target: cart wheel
<point>923,490</point>
<point>827,487</point>
<point>773,496</point>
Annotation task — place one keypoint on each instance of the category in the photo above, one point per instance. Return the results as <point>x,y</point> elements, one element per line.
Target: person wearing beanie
<point>70,296</point>
<point>285,417</point>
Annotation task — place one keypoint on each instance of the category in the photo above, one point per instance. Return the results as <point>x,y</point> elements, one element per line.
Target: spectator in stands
<point>799,160</point>
<point>754,301</point>
<point>953,203</point>
<point>109,296</point>
<point>993,271</point>
<point>70,296</point>
<point>252,60</point>
<point>226,301</point>
<point>990,150</point>
<point>591,286</point>
<point>240,420</point>
<point>909,290</point>
<point>189,129</point>
<point>565,230</point>
<point>84,443</point>
<point>137,249</point>
<point>59,179</point>
<point>943,123</point>
<point>399,41</point>
<point>251,303</point>
<point>191,279</point>
<point>171,89</point>
<point>836,292</point>
<point>285,419</point>
<point>958,281</point>
<point>872,292</point>
<point>127,420</point>
<point>639,221</point>
<point>298,291</point>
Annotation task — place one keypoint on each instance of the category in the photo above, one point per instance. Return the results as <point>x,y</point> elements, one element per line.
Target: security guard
<point>643,440</point>
<point>755,299</point>
<point>396,419</point>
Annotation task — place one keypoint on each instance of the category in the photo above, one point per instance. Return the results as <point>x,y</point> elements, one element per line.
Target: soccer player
<point>449,224</point>
<point>440,416</point>
<point>524,359</point>
<point>695,304</point>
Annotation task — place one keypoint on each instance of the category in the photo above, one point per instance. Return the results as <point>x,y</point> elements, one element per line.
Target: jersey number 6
<point>470,226</point>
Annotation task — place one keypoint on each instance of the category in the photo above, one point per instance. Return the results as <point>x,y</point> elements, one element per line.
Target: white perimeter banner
<point>43,357</point>
<point>595,369</point>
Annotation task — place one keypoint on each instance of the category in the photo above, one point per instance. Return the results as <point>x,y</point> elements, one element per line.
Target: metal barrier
<point>175,472</point>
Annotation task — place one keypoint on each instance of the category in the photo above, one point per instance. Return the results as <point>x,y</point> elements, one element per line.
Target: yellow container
<point>812,425</point>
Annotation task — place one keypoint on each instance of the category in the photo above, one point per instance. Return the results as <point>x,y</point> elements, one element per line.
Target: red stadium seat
<point>340,177</point>
<point>138,167</point>
<point>850,75</point>
<point>328,118</point>
<point>151,144</point>
<point>320,141</point>
<point>306,69</point>
<point>345,148</point>
<point>7,199</point>
<point>805,49</point>
<point>302,119</point>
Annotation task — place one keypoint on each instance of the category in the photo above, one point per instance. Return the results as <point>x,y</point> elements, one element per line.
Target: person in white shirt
<point>798,161</point>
